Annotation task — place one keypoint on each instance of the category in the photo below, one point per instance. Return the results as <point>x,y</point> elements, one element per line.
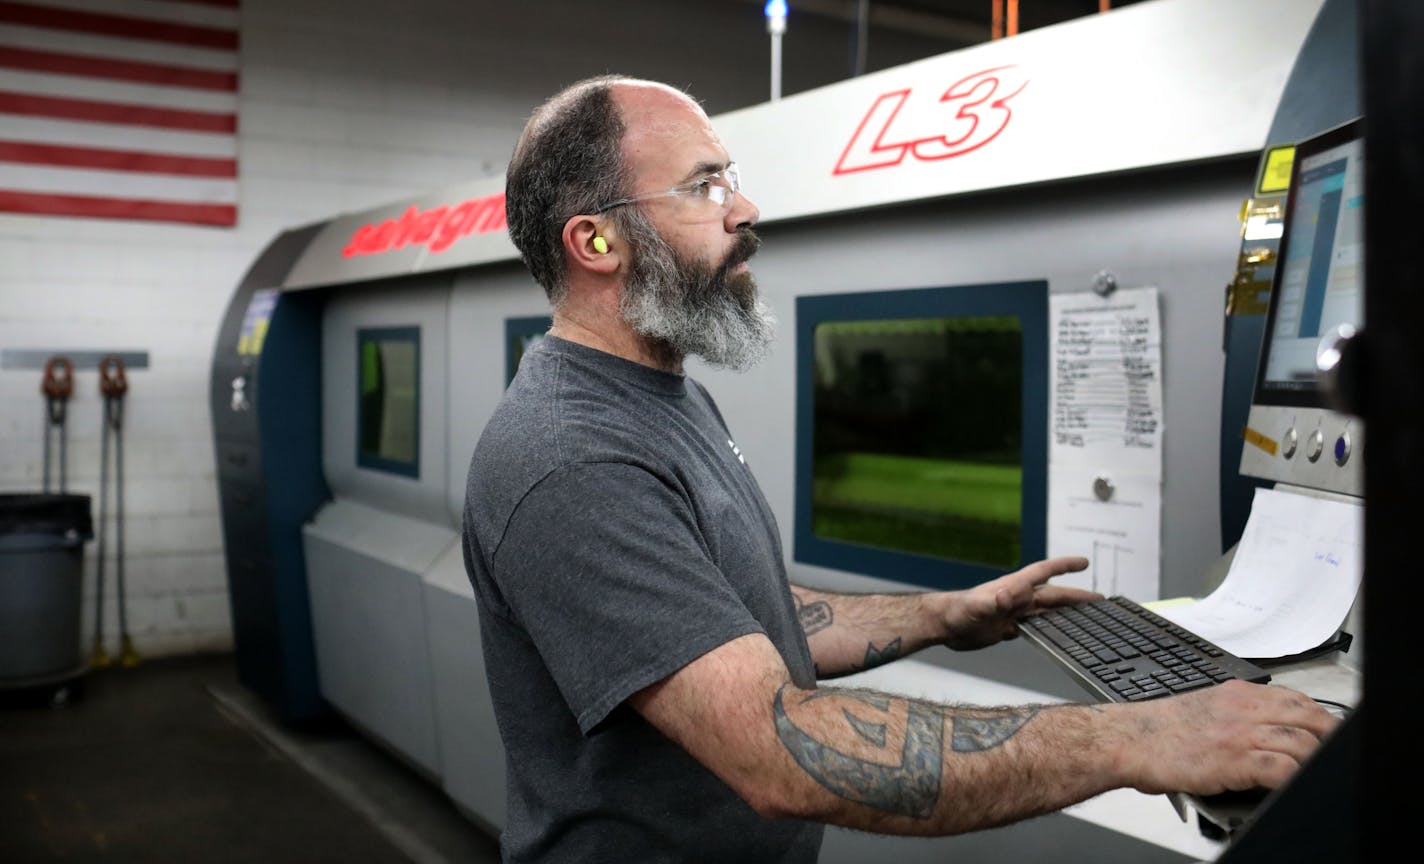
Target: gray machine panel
<point>421,302</point>
<point>479,304</point>
<point>364,571</point>
<point>472,768</point>
<point>1313,447</point>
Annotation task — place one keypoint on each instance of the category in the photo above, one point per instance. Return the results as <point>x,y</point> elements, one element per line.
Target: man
<point>654,674</point>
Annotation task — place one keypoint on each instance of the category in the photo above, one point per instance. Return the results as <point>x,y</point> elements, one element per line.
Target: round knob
<point>1342,448</point>
<point>1315,445</point>
<point>1289,442</point>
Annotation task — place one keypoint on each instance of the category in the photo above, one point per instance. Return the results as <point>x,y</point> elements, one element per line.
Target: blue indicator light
<point>775,9</point>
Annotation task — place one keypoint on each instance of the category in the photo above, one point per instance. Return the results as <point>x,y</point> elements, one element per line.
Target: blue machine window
<point>521,334</point>
<point>388,404</point>
<point>922,432</point>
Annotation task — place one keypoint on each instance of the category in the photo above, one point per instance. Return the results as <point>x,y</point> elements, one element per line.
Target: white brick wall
<point>345,105</point>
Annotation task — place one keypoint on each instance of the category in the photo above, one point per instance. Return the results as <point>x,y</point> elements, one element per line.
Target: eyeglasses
<point>719,189</point>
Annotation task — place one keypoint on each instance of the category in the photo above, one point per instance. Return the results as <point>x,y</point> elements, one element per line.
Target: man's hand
<point>987,614</point>
<point>855,632</point>
<point>1233,736</point>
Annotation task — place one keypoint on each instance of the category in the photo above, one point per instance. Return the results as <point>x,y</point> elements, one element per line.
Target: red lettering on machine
<point>970,114</point>
<point>438,228</point>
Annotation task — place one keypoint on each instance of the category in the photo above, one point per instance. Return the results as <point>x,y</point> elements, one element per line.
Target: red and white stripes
<point>123,109</point>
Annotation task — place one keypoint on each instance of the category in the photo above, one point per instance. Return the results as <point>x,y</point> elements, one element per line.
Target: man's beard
<point>686,307</point>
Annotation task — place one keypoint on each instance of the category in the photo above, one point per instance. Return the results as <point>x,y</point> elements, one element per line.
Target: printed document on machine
<point>1295,574</point>
<point>1105,438</point>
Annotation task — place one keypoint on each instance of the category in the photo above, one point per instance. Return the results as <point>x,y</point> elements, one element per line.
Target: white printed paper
<point>1106,391</point>
<point>1119,536</point>
<point>1295,575</point>
<point>1105,440</point>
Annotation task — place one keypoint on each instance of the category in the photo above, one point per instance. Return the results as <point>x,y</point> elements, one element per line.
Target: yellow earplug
<point>601,245</point>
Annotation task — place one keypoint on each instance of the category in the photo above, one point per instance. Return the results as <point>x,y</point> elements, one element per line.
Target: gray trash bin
<point>41,586</point>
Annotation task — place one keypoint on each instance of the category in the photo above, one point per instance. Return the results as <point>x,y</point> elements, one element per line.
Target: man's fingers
<point>1271,769</point>
<point>1040,572</point>
<point>1060,595</point>
<point>1295,709</point>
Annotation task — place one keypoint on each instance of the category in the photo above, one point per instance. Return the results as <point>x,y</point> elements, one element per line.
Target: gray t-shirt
<point>613,534</point>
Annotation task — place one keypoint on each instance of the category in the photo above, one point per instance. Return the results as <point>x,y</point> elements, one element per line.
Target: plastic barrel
<point>42,540</point>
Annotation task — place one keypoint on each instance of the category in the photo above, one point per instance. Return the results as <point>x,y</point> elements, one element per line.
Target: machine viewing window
<point>388,421</point>
<point>922,433</point>
<point>521,334</point>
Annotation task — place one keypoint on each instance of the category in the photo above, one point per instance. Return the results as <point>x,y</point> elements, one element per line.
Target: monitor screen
<point>921,432</point>
<point>1319,277</point>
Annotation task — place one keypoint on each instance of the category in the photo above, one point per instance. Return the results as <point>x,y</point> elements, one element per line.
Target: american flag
<point>119,109</point>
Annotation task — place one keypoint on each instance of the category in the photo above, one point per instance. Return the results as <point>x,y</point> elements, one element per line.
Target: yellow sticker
<point>256,320</point>
<point>1254,437</point>
<point>1276,170</point>
<point>1169,603</point>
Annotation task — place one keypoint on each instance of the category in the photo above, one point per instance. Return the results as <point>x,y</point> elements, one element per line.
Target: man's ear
<point>590,244</point>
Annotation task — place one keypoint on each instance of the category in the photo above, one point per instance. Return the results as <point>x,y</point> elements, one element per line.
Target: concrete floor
<point>175,761</point>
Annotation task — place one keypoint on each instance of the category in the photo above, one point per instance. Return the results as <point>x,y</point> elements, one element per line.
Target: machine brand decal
<point>970,114</point>
<point>436,228</point>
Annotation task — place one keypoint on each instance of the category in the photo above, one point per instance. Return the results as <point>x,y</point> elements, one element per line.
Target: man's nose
<point>744,214</point>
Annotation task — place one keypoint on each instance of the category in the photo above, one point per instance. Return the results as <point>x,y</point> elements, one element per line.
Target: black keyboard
<point>1125,653</point>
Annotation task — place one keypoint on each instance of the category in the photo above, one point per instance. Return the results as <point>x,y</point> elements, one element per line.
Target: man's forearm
<point>853,632</point>
<point>889,764</point>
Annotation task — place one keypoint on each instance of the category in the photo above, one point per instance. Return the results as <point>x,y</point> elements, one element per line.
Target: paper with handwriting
<point>1106,387</point>
<point>1105,438</point>
<point>1293,579</point>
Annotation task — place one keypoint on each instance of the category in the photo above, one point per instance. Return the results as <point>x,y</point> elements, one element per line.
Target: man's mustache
<point>745,247</point>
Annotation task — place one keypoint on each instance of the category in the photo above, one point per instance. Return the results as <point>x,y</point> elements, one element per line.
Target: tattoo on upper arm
<point>879,656</point>
<point>908,788</point>
<point>814,617</point>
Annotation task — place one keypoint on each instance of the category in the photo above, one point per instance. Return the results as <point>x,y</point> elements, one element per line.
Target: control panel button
<point>1315,445</point>
<point>1289,442</point>
<point>1342,448</point>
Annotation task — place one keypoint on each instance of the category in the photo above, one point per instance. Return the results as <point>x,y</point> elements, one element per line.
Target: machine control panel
<point>1289,445</point>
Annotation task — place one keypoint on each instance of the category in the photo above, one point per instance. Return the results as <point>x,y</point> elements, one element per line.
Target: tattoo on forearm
<point>874,700</point>
<point>872,732</point>
<point>815,617</point>
<point>878,656</point>
<point>972,734</point>
<point>909,788</point>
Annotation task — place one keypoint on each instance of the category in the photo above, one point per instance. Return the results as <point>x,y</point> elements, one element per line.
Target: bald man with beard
<point>654,672</point>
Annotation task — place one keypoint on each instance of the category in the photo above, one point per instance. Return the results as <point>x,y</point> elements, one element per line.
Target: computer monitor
<point>921,436</point>
<point>1317,296</point>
